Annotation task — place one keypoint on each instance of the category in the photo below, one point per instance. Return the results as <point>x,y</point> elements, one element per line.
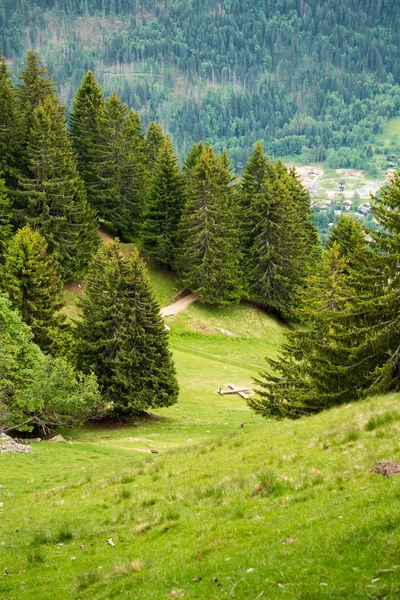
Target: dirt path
<point>181,304</point>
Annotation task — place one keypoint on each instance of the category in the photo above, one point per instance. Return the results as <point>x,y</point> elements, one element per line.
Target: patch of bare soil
<point>181,304</point>
<point>104,235</point>
<point>77,287</point>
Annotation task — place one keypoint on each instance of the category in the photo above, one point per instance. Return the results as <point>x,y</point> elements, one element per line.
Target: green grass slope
<point>271,510</point>
<point>277,510</point>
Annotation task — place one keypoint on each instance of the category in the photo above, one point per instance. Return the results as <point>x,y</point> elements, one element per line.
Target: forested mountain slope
<point>306,77</point>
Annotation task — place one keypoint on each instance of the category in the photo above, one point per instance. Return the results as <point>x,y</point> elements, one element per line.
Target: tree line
<point>227,239</point>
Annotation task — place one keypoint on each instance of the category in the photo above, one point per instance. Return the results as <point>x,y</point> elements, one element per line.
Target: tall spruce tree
<point>140,176</point>
<point>251,191</point>
<point>85,124</point>
<point>209,258</point>
<point>10,128</point>
<point>55,194</point>
<point>349,234</point>
<point>282,241</point>
<point>122,336</point>
<point>313,371</point>
<point>120,162</point>
<point>192,157</point>
<point>164,207</point>
<point>30,279</point>
<point>154,139</point>
<point>5,218</point>
<point>35,87</point>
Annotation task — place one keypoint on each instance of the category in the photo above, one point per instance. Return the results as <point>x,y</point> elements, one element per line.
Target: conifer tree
<point>122,336</point>
<point>154,139</point>
<point>192,157</point>
<point>10,128</point>
<point>120,161</point>
<point>85,125</point>
<point>284,241</point>
<point>313,371</point>
<point>5,218</point>
<point>138,169</point>
<point>251,192</point>
<point>30,279</point>
<point>164,207</point>
<point>209,258</point>
<point>350,237</point>
<point>55,194</point>
<point>36,86</point>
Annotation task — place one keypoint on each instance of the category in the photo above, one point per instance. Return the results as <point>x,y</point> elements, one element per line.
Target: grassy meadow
<point>270,510</point>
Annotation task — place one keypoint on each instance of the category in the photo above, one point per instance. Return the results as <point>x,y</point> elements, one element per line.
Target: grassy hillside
<point>277,510</point>
<point>271,510</point>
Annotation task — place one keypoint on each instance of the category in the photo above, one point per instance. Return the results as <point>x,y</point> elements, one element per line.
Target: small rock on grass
<point>57,438</point>
<point>388,468</point>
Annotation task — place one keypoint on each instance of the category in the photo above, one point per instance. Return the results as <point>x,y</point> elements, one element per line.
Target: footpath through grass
<point>271,510</point>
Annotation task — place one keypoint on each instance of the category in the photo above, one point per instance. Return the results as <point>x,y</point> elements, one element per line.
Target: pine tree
<point>122,336</point>
<point>55,193</point>
<point>348,233</point>
<point>164,207</point>
<point>313,371</point>
<point>137,168</point>
<point>154,139</point>
<point>251,192</point>
<point>192,157</point>
<point>5,218</point>
<point>33,285</point>
<point>36,86</point>
<point>10,128</point>
<point>284,242</point>
<point>209,259</point>
<point>85,125</point>
<point>120,162</point>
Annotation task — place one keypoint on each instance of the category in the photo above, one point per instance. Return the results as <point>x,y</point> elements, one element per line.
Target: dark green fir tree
<point>313,371</point>
<point>10,128</point>
<point>209,258</point>
<point>35,87</point>
<point>284,242</point>
<point>84,126</point>
<point>54,192</point>
<point>122,336</point>
<point>121,163</point>
<point>30,279</point>
<point>164,207</point>
<point>154,140</point>
<point>5,218</point>
<point>251,191</point>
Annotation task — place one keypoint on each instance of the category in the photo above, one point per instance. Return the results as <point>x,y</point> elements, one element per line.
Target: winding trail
<point>181,304</point>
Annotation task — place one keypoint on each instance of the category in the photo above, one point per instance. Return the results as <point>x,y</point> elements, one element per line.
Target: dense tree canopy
<point>316,78</point>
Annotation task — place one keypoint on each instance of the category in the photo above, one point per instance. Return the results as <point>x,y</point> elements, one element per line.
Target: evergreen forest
<point>310,79</point>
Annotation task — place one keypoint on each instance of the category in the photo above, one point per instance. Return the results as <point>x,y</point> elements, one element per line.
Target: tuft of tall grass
<point>379,420</point>
<point>84,580</point>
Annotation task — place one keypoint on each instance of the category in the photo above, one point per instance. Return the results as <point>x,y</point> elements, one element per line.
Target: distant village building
<point>338,213</point>
<point>341,186</point>
<point>347,205</point>
<point>365,208</point>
